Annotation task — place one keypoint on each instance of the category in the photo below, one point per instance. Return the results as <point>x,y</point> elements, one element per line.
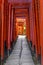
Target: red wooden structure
<point>33,13</point>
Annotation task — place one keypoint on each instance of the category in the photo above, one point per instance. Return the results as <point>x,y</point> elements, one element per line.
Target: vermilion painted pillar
<point>27,27</point>
<point>12,27</point>
<point>0,25</point>
<point>32,27</point>
<point>11,23</point>
<point>5,17</point>
<point>9,33</point>
<point>41,29</point>
<point>2,30</point>
<point>34,30</point>
<point>7,22</point>
<point>29,24</point>
<point>30,14</point>
<point>37,25</point>
<point>15,33</point>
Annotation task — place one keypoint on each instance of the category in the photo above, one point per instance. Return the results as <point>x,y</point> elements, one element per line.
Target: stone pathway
<point>21,54</point>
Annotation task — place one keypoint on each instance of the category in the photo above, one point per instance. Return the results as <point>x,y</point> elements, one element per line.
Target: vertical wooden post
<point>37,26</point>
<point>9,33</point>
<point>0,29</point>
<point>33,30</point>
<point>11,23</point>
<point>15,33</point>
<point>36,15</point>
<point>2,40</point>
<point>27,32</point>
<point>14,26</point>
<point>30,11</point>
<point>0,34</point>
<point>41,29</point>
<point>28,28</point>
<point>29,24</point>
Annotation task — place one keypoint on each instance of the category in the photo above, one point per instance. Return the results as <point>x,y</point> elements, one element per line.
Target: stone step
<point>27,64</point>
<point>21,54</point>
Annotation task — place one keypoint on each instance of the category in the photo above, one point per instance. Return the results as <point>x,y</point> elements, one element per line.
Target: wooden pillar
<point>15,33</point>
<point>3,26</point>
<point>11,24</point>
<point>41,29</point>
<point>30,14</point>
<point>29,24</point>
<point>32,24</point>
<point>37,28</point>
<point>0,25</point>
<point>9,30</point>
<point>32,27</point>
<point>2,31</point>
<point>14,26</point>
<point>37,25</point>
<point>33,32</point>
<point>27,27</point>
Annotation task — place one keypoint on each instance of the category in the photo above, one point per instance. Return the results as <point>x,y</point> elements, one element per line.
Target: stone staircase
<point>21,54</point>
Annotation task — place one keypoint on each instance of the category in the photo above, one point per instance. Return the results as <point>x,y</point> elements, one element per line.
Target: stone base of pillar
<point>39,58</point>
<point>9,52</point>
<point>2,61</point>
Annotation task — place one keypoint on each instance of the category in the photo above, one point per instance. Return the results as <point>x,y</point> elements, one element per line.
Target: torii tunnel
<point>21,18</point>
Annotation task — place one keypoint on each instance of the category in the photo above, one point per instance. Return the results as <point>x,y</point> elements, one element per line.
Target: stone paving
<point>21,54</point>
